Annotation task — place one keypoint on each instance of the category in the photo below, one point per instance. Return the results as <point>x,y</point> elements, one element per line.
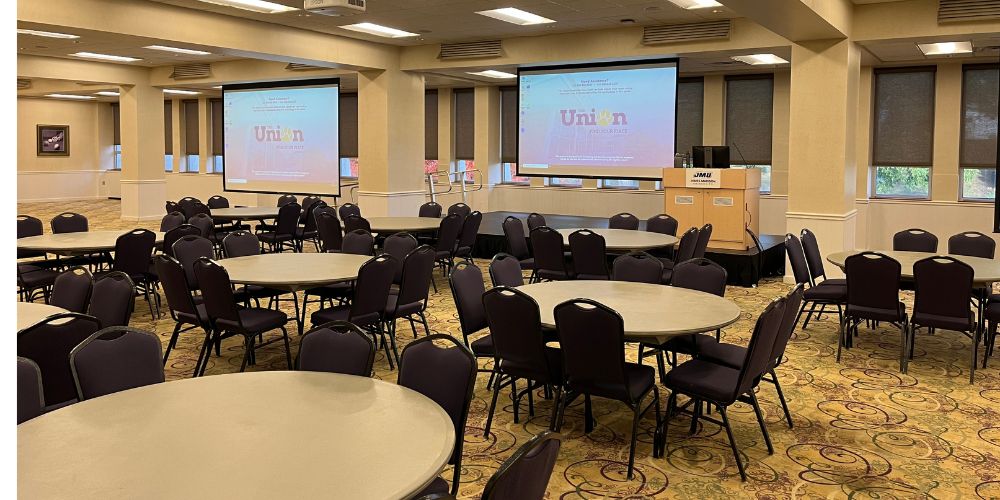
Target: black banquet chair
<point>820,294</point>
<point>535,220</point>
<point>171,221</point>
<point>590,260</point>
<point>943,296</point>
<point>409,301</point>
<point>505,271</point>
<point>30,395</point>
<point>637,267</point>
<point>430,209</point>
<point>331,238</point>
<point>704,236</point>
<point>399,245</point>
<point>171,236</point>
<point>550,261</point>
<point>133,251</point>
<point>358,242</point>
<point>814,260</point>
<point>183,308</point>
<point>115,359</point>
<point>461,209</point>
<point>28,226</point>
<point>355,222</point>
<point>69,222</point>
<point>663,224</point>
<point>48,344</point>
<point>113,299</point>
<point>447,241</point>
<point>517,242</point>
<point>467,237</point>
<point>623,220</point>
<point>873,295</point>
<point>348,209</point>
<point>467,288</point>
<point>337,347</point>
<point>914,240</point>
<point>685,251</point>
<point>972,244</point>
<point>283,235</point>
<point>525,474</point>
<point>72,290</point>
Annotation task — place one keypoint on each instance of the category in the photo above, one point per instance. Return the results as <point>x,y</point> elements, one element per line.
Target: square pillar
<point>177,134</point>
<point>144,189</point>
<point>204,135</point>
<point>487,146</point>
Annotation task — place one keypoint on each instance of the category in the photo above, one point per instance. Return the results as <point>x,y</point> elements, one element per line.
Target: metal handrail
<point>463,182</point>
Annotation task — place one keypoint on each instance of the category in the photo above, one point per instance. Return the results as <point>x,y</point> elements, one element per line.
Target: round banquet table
<point>31,313</point>
<point>986,270</point>
<point>626,239</point>
<point>276,434</point>
<point>652,313</point>
<point>72,243</point>
<point>244,213</point>
<point>397,224</point>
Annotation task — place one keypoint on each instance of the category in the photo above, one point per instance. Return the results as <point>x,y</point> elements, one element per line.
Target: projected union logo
<point>265,133</point>
<point>602,118</point>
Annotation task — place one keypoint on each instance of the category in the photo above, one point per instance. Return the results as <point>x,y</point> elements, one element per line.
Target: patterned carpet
<point>862,430</point>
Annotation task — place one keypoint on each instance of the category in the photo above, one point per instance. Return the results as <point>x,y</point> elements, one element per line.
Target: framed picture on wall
<point>53,140</point>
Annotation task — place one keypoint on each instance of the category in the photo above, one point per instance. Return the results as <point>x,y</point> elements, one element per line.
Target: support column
<point>487,146</point>
<point>144,188</point>
<point>177,137</point>
<point>390,142</point>
<point>714,111</point>
<point>823,109</point>
<point>204,136</point>
<point>945,173</point>
<point>446,129</point>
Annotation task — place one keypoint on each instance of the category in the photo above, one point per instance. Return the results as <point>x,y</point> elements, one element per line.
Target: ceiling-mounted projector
<point>334,7</point>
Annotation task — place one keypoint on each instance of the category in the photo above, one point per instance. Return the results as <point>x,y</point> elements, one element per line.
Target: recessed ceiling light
<point>378,30</point>
<point>253,5</point>
<point>180,92</point>
<point>945,48</point>
<point>695,4</point>
<point>627,21</point>
<point>49,34</point>
<point>178,50</point>
<point>515,16</point>
<point>492,73</point>
<point>758,59</point>
<point>217,87</point>
<point>71,96</point>
<point>106,57</point>
<point>108,93</point>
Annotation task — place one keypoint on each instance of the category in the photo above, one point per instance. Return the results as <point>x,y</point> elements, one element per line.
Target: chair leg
<point>635,433</point>
<point>695,413</point>
<point>760,421</point>
<point>812,309</point>
<point>203,355</point>
<point>840,339</point>
<point>799,315</point>
<point>248,341</point>
<point>288,349</point>
<point>669,410</point>
<point>588,415</point>
<point>493,405</point>
<point>555,407</point>
<point>172,343</point>
<point>781,398</point>
<point>392,338</point>
<point>423,320</point>
<point>732,442</point>
<point>661,365</point>
<point>988,341</point>
<point>975,352</point>
<point>904,341</point>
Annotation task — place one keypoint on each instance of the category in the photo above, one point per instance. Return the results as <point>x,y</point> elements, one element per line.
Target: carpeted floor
<point>862,430</point>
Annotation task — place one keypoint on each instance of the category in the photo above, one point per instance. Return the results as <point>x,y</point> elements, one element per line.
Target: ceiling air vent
<point>196,70</point>
<point>674,33</point>
<point>303,67</point>
<point>23,83</point>
<point>468,50</point>
<point>952,11</point>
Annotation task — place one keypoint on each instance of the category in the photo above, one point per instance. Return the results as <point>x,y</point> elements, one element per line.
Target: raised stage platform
<point>744,267</point>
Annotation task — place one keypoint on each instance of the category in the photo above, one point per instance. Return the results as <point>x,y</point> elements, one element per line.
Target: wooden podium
<point>726,198</point>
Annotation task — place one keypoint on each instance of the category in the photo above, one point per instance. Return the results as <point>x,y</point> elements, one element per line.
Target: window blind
<point>903,117</point>
<point>690,114</point>
<point>431,125</point>
<point>116,123</point>
<point>749,113</point>
<point>348,125</point>
<point>508,124</point>
<point>980,89</point>
<point>190,127</point>
<point>465,122</point>
<point>168,128</point>
<point>218,144</point>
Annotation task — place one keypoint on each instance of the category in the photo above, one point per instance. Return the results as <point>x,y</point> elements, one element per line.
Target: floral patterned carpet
<point>862,430</point>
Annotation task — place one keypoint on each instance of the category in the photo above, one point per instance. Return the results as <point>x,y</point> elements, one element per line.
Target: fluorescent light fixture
<point>945,48</point>
<point>515,16</point>
<point>696,4</point>
<point>492,73</point>
<point>758,59</point>
<point>108,93</point>
<point>180,92</point>
<point>217,87</point>
<point>253,5</point>
<point>178,50</point>
<point>378,30</point>
<point>106,57</point>
<point>49,34</point>
<point>71,96</point>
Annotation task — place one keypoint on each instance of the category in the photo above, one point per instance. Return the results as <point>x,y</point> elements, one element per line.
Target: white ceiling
<point>906,51</point>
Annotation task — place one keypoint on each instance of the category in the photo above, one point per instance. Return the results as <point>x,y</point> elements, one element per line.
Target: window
<point>216,164</point>
<point>467,166</point>
<point>565,182</point>
<point>619,184</point>
<point>903,130</point>
<point>349,168</point>
<point>749,118</point>
<point>190,163</point>
<point>508,137</point>
<point>118,157</point>
<point>690,114</point>
<point>430,128</point>
<point>168,163</point>
<point>116,125</point>
<point>978,149</point>
<point>509,174</point>
<point>168,136</point>
<point>430,166</point>
<point>465,123</point>
<point>765,176</point>
<point>348,136</point>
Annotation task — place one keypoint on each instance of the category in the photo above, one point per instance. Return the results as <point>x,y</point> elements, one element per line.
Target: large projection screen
<point>282,137</point>
<point>605,120</point>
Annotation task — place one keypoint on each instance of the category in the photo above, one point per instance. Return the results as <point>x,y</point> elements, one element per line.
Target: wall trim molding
<point>391,194</point>
<point>143,181</point>
<point>851,214</point>
<point>939,203</point>
<point>51,172</point>
<point>60,199</point>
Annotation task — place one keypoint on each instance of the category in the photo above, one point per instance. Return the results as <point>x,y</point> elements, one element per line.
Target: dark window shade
<point>431,125</point>
<point>116,123</point>
<point>980,89</point>
<point>904,117</point>
<point>690,114</point>
<point>191,127</point>
<point>168,128</point>
<point>508,124</point>
<point>218,146</point>
<point>465,124</point>
<point>749,110</point>
<point>348,125</point>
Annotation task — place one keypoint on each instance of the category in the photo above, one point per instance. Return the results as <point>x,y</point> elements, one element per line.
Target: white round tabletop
<point>85,241</point>
<point>397,224</point>
<point>651,312</point>
<point>626,239</point>
<point>293,271</point>
<point>242,213</point>
<point>30,313</point>
<point>276,434</point>
<point>986,270</point>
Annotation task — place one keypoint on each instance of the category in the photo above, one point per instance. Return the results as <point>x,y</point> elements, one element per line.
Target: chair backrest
<point>175,287</point>
<point>704,235</point>
<point>72,290</point>
<point>30,395</point>
<point>171,236</point>
<point>172,221</point>
<point>700,274</point>
<point>592,342</point>
<point>49,343</point>
<point>589,253</point>
<point>971,243</point>
<point>663,224</point>
<point>217,291</point>
<point>758,358</point>
<point>399,245</point>
<point>358,242</point>
<point>186,205</point>
<point>814,259</point>
<point>446,375</point>
<point>623,220</point>
<point>204,223</point>
<point>194,208</point>
<point>505,270</point>
<point>240,244</point>
<point>371,290</point>
<point>355,222</point>
<point>308,216</point>
<point>516,328</point>
<point>349,209</point>
<point>797,258</point>
<point>133,251</point>
<point>517,244</point>
<point>337,347</point>
<point>461,209</point>
<point>792,302</point>
<point>467,288</point>
<point>417,273</point>
<point>430,209</point>
<point>189,249</point>
<point>470,229</point>
<point>69,222</point>
<point>943,287</point>
<point>115,359</point>
<point>686,247</point>
<point>914,240</point>
<point>525,474</point>
<point>288,218</point>
<point>547,246</point>
<point>218,201</point>
<point>28,226</point>
<point>637,267</point>
<point>872,281</point>
<point>535,220</point>
<point>172,206</point>
<point>448,231</point>
<point>113,299</point>
<point>308,203</point>
<point>330,236</point>
<point>286,199</point>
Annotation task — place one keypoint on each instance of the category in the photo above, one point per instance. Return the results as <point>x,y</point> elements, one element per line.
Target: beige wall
<point>85,144</point>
